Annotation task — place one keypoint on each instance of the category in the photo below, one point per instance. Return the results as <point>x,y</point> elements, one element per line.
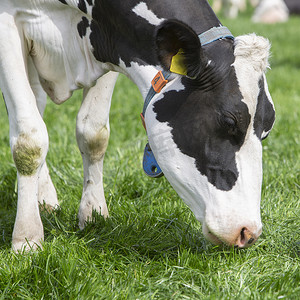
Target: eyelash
<point>229,122</point>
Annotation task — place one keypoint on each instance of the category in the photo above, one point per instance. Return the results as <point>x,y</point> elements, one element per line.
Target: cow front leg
<point>28,134</point>
<point>92,132</point>
<point>29,144</point>
<point>46,191</point>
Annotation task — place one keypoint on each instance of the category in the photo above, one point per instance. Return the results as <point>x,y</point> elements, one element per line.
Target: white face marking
<point>142,10</point>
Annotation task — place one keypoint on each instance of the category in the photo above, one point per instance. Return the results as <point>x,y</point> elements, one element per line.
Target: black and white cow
<point>275,11</point>
<point>270,12</point>
<point>205,122</point>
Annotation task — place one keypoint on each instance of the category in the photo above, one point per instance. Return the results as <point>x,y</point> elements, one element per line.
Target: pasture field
<point>152,247</point>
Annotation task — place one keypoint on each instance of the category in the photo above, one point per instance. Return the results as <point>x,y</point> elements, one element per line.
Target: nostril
<point>242,236</point>
<point>250,241</point>
<point>246,238</point>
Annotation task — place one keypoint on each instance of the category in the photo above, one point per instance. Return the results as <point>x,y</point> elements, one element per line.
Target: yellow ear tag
<point>177,64</point>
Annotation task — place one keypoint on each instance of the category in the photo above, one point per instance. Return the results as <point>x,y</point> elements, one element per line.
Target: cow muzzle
<point>242,237</point>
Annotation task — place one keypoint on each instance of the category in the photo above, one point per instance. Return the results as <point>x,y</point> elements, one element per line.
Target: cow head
<point>205,129</point>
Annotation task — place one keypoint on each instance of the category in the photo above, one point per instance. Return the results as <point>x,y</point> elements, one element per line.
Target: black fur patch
<point>118,33</point>
<point>82,6</point>
<point>265,115</point>
<point>82,26</point>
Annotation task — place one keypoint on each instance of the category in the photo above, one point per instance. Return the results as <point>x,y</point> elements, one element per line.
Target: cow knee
<point>93,141</point>
<point>28,153</point>
<point>97,143</point>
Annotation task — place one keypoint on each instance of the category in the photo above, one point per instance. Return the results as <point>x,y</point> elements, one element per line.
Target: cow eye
<point>229,123</point>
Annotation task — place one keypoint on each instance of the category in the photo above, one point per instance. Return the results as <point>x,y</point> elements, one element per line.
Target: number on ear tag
<point>150,165</point>
<point>177,63</point>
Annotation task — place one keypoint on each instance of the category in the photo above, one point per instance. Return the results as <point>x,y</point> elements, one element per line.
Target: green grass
<point>152,247</point>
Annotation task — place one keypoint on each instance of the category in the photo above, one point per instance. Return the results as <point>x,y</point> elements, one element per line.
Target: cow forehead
<point>251,61</point>
<point>248,82</point>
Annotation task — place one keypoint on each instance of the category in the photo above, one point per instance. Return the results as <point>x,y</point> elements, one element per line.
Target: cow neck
<point>162,77</point>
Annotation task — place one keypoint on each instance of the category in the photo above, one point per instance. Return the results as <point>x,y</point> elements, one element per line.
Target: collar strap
<point>161,78</point>
<point>158,82</point>
<point>214,34</point>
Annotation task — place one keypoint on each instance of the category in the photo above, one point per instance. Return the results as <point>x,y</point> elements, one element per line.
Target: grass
<point>151,247</point>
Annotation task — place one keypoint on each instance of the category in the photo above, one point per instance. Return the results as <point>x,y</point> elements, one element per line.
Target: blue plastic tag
<point>150,165</point>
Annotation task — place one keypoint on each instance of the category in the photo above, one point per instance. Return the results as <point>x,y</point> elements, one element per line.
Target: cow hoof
<point>84,219</point>
<point>86,210</point>
<point>21,246</point>
<point>48,208</point>
<point>28,234</point>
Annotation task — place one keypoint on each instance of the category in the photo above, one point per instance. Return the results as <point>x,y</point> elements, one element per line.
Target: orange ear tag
<point>158,82</point>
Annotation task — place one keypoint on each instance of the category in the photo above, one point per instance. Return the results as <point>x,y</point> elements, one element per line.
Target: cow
<point>270,12</point>
<point>207,104</point>
<point>275,11</point>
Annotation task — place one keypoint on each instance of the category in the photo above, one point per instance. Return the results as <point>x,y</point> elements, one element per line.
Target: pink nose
<point>243,238</point>
<point>246,238</point>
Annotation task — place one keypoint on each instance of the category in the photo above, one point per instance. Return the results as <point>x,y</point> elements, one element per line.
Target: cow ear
<point>179,49</point>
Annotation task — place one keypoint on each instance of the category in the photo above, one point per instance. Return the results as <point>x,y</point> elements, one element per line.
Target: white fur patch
<point>144,12</point>
<point>208,63</point>
<point>255,49</point>
<point>141,75</point>
<point>251,61</point>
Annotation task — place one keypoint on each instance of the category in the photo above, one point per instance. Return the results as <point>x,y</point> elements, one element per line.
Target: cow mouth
<point>210,236</point>
<point>214,239</point>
